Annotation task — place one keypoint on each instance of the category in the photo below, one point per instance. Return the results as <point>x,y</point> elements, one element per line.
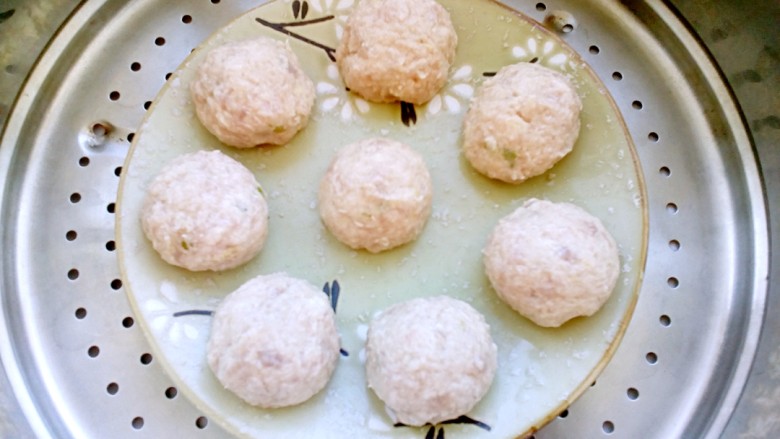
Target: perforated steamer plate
<point>79,365</point>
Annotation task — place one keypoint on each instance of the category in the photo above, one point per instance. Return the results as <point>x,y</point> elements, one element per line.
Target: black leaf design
<point>334,294</point>
<point>304,9</point>
<point>408,114</point>
<point>332,291</point>
<point>296,8</point>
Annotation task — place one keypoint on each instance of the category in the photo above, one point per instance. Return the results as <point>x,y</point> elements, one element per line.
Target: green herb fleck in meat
<point>509,156</point>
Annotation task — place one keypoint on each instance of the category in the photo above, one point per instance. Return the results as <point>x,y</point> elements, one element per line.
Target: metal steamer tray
<point>76,363</point>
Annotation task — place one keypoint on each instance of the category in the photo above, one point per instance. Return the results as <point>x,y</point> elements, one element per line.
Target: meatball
<point>521,122</point>
<point>397,50</point>
<point>205,211</point>
<point>274,341</point>
<point>552,262</point>
<point>252,92</point>
<point>430,359</point>
<point>376,195</point>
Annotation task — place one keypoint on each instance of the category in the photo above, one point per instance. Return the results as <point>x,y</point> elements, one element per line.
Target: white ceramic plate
<point>540,370</point>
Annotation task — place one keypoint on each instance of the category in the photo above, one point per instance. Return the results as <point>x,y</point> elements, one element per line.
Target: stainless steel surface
<point>75,362</point>
<point>744,38</point>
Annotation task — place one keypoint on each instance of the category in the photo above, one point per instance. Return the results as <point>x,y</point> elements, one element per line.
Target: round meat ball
<point>274,341</point>
<point>552,262</point>
<point>521,122</point>
<point>252,92</point>
<point>376,195</point>
<point>430,359</point>
<point>205,211</point>
<point>397,50</point>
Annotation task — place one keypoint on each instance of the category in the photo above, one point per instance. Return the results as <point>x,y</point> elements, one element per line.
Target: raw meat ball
<point>376,195</point>
<point>252,92</point>
<point>397,50</point>
<point>521,122</point>
<point>274,341</point>
<point>205,211</point>
<point>552,262</point>
<point>430,359</point>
